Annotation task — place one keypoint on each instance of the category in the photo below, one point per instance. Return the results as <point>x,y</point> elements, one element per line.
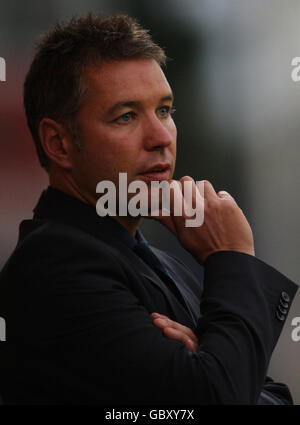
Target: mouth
<point>158,172</point>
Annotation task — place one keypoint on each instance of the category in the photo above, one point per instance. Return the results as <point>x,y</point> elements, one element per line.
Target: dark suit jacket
<point>77,301</point>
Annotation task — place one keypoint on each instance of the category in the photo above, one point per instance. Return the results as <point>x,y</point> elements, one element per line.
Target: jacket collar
<point>58,206</point>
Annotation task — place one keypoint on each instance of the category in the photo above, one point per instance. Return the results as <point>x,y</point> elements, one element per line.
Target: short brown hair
<point>54,86</point>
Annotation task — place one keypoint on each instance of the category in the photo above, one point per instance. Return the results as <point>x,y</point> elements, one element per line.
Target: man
<point>84,297</point>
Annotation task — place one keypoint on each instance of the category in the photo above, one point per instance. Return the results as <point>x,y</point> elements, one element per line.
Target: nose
<point>157,134</point>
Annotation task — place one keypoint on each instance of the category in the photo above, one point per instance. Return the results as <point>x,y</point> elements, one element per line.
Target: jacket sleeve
<point>241,286</point>
<point>275,393</point>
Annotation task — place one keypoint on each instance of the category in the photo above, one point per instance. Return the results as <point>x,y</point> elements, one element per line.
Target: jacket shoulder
<point>48,249</point>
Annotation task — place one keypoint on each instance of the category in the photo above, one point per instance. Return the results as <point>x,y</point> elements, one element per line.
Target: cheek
<point>173,131</point>
<point>112,158</point>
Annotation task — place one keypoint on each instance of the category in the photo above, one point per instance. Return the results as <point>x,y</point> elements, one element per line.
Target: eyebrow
<point>134,103</point>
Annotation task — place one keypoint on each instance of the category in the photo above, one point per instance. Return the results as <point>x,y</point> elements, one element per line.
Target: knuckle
<point>168,322</point>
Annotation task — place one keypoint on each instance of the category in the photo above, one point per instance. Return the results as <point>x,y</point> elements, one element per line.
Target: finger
<point>193,196</point>
<point>225,195</point>
<point>189,191</point>
<point>209,191</point>
<point>182,337</point>
<point>163,322</point>
<point>161,316</point>
<point>174,200</point>
<point>174,197</point>
<point>170,203</point>
<point>163,217</point>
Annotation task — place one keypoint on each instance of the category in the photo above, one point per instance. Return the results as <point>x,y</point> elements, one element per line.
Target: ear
<point>56,142</point>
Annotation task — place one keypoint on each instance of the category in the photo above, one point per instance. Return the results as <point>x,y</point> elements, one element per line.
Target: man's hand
<point>225,227</point>
<point>175,330</point>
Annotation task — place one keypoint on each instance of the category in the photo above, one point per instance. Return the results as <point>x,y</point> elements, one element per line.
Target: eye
<point>165,111</point>
<point>123,119</point>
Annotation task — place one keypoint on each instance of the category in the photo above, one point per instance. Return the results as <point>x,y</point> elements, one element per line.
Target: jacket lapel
<point>177,310</point>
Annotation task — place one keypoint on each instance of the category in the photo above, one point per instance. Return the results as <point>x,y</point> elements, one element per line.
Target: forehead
<point>134,79</point>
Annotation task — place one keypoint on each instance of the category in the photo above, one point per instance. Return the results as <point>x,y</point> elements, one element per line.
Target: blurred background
<point>237,118</point>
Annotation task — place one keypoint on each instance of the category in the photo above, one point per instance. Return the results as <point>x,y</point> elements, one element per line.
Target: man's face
<point>125,126</point>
